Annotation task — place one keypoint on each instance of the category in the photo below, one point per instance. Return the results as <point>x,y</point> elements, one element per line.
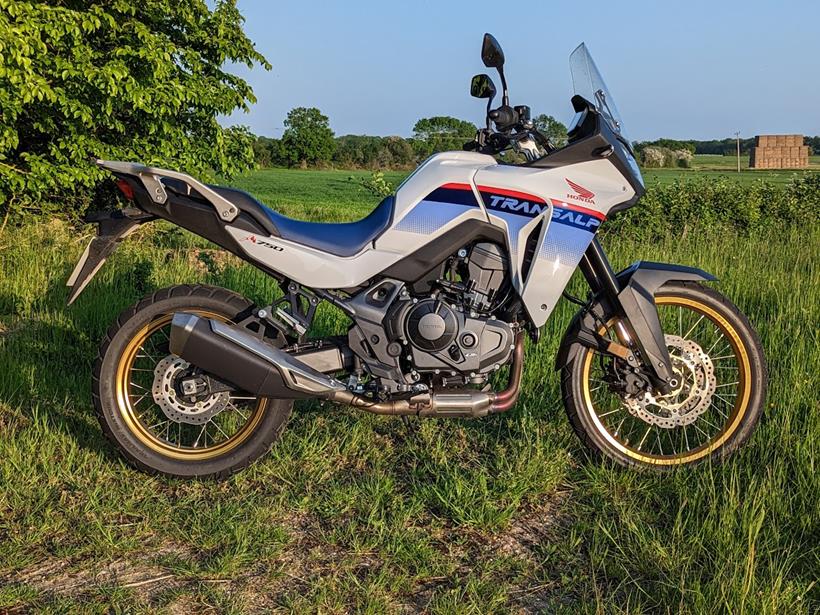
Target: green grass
<point>352,512</point>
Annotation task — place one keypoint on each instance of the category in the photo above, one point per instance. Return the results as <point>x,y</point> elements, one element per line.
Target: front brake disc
<point>690,399</point>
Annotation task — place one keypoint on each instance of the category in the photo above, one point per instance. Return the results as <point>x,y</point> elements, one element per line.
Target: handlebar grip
<point>470,146</point>
<point>504,117</point>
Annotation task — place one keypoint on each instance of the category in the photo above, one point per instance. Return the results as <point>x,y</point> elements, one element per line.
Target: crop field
<point>357,513</point>
<point>714,167</point>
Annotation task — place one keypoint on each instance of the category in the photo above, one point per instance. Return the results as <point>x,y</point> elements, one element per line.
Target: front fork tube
<point>638,321</point>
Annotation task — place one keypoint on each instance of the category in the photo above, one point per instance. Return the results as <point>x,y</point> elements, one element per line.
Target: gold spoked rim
<point>642,441</point>
<point>145,419</point>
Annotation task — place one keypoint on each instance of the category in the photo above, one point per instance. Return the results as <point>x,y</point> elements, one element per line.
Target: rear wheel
<point>143,411</point>
<point>719,364</point>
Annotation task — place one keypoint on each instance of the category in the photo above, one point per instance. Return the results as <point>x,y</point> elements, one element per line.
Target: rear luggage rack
<point>151,179</point>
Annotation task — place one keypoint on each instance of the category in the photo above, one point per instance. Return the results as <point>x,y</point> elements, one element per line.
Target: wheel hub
<point>691,397</point>
<point>167,374</point>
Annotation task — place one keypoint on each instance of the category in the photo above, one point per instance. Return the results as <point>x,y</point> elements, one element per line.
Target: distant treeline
<point>725,147</point>
<point>309,141</point>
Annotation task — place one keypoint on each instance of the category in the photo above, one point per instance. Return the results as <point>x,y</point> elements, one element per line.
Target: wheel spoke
<point>219,428</point>
<point>238,411</point>
<point>640,444</point>
<point>201,431</point>
<point>686,336</point>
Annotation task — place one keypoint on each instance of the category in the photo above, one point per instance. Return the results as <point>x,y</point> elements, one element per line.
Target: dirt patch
<point>529,530</point>
<point>304,560</point>
<point>65,578</point>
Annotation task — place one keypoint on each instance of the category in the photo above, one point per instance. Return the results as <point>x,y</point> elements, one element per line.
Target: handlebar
<point>513,127</point>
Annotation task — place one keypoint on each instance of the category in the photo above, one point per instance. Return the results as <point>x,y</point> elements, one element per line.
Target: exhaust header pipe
<point>463,403</point>
<point>234,355</point>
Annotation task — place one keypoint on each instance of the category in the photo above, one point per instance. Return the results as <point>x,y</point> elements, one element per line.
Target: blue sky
<point>691,69</point>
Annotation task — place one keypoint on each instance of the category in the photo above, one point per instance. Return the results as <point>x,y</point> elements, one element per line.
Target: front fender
<point>651,276</point>
<point>638,283</point>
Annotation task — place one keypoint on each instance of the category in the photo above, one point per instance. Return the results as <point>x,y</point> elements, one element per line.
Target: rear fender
<point>639,282</point>
<point>112,227</point>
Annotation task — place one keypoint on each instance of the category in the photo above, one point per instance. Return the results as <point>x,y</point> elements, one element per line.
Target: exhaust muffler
<point>245,361</point>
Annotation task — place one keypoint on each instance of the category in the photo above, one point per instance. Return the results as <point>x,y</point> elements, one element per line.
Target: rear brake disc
<point>176,407</point>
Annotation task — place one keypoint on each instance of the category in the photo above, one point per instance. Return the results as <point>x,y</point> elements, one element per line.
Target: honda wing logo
<point>581,193</point>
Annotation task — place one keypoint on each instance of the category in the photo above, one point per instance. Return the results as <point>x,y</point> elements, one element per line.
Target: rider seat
<point>341,239</point>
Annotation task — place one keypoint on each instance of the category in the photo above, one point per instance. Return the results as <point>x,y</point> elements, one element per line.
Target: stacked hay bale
<point>779,152</point>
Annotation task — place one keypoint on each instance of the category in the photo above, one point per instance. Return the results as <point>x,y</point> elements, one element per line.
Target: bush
<point>119,80</point>
<point>721,203</point>
<point>376,184</point>
<point>654,157</point>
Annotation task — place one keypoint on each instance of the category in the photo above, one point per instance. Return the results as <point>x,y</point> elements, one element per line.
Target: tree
<point>362,151</point>
<point>441,133</point>
<point>124,80</point>
<point>308,138</point>
<point>269,152</point>
<point>554,130</point>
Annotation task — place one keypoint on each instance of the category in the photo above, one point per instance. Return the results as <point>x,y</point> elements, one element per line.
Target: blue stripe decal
<point>454,196</point>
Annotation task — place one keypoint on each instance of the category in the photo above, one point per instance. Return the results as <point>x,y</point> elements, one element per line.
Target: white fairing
<point>565,205</point>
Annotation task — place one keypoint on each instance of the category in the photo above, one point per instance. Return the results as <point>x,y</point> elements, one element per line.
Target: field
<point>356,513</point>
<point>710,166</point>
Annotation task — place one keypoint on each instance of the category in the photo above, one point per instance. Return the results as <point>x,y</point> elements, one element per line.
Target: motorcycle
<point>442,283</point>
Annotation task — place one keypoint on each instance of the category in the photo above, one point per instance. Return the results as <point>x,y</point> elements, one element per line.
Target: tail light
<point>126,189</point>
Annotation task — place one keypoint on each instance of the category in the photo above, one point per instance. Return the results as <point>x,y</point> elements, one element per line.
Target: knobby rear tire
<point>218,301</point>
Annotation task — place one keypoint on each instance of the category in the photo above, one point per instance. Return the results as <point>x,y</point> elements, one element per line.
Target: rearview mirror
<point>482,86</point>
<point>491,52</point>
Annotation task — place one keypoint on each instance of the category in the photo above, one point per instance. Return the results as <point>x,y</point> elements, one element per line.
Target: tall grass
<point>352,512</point>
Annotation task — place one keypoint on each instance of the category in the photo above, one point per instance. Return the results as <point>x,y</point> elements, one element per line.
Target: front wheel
<point>142,410</point>
<point>719,364</point>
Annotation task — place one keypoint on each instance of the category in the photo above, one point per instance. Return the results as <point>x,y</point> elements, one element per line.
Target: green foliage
<point>440,134</point>
<point>362,151</point>
<point>724,147</point>
<point>376,184</point>
<point>663,158</point>
<point>552,128</point>
<point>128,80</point>
<point>269,152</point>
<point>721,204</point>
<point>308,138</point>
<point>672,144</point>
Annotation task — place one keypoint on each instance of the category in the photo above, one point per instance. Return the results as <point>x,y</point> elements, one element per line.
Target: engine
<point>449,334</point>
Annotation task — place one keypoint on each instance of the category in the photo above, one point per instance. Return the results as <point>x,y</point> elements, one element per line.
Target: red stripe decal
<point>457,187</point>
<point>578,208</point>
<point>512,193</point>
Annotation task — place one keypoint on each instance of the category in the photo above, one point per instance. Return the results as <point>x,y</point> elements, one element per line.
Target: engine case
<point>439,336</point>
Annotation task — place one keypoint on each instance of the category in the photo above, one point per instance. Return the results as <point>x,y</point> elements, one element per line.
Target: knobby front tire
<point>689,312</point>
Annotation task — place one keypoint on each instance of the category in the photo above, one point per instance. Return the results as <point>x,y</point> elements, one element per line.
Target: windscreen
<point>588,83</point>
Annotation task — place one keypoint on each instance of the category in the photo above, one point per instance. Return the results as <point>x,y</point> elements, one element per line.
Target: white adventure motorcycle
<point>441,283</point>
